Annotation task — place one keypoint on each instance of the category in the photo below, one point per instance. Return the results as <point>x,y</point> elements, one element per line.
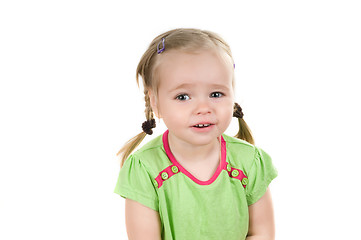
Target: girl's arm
<point>141,221</point>
<point>261,220</point>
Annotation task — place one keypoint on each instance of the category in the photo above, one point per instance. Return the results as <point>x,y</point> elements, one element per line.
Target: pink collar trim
<point>222,165</point>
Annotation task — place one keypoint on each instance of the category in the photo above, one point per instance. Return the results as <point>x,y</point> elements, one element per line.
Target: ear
<point>154,103</point>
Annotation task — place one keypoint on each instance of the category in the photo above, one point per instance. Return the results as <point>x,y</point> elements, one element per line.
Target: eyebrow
<point>190,85</point>
<point>181,86</point>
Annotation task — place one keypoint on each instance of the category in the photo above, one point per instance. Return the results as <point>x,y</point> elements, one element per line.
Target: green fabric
<point>191,211</point>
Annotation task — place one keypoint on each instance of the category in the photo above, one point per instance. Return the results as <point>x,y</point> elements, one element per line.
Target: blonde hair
<point>182,39</point>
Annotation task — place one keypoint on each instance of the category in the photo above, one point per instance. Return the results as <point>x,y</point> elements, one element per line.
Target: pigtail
<point>244,132</point>
<point>129,147</point>
<point>147,126</point>
<point>145,71</point>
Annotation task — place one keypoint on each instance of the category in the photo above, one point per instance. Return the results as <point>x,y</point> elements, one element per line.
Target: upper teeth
<point>202,125</point>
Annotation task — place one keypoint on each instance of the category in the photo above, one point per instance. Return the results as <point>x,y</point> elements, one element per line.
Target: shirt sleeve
<point>134,182</point>
<point>260,175</point>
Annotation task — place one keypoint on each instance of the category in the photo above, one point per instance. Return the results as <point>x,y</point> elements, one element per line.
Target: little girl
<point>194,182</point>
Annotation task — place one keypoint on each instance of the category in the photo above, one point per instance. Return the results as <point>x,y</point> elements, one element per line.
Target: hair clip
<point>148,125</point>
<point>162,49</point>
<point>237,111</point>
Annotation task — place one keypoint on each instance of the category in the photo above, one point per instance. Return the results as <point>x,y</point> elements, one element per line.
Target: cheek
<point>168,111</point>
<point>228,112</point>
<point>228,106</point>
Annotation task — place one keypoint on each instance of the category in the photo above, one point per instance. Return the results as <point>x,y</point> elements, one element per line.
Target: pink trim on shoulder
<point>222,165</point>
<point>166,174</point>
<point>237,173</point>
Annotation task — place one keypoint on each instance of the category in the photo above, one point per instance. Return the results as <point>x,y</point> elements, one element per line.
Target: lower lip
<point>204,129</point>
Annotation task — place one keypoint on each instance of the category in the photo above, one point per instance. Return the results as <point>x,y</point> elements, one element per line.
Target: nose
<point>203,107</point>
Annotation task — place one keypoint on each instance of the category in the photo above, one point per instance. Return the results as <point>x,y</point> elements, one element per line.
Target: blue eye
<point>216,95</point>
<point>182,97</point>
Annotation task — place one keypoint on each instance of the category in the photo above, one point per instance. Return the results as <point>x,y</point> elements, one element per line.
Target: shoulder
<point>241,153</point>
<point>255,163</point>
<point>151,156</point>
<point>236,141</point>
<point>153,145</point>
<point>239,146</point>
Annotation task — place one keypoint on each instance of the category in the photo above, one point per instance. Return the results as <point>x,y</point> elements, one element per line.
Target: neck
<point>185,152</point>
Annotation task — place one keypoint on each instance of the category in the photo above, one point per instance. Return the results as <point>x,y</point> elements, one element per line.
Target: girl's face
<point>195,96</point>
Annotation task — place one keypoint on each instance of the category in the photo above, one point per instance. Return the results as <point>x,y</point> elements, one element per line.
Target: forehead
<point>197,68</point>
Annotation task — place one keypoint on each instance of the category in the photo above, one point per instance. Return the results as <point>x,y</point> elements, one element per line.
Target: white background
<point>69,101</point>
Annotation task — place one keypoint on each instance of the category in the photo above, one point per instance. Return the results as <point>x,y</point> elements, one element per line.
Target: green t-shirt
<point>190,208</point>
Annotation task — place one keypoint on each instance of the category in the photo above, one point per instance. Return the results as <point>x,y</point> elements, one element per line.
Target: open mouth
<point>202,125</point>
